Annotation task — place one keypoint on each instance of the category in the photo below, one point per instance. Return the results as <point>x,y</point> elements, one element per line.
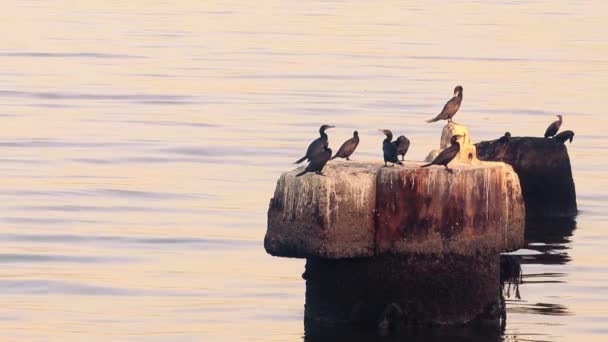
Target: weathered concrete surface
<point>475,209</point>
<point>544,170</point>
<point>428,289</point>
<point>328,216</point>
<point>468,152</point>
<point>361,210</point>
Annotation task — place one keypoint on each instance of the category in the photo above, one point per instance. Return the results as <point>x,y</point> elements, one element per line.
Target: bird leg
<point>448,169</point>
<point>347,158</point>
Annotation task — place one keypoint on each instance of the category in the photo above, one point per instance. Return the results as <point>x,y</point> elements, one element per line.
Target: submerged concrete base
<point>468,333</point>
<point>391,291</point>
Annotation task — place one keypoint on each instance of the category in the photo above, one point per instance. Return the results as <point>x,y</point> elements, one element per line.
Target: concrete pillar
<point>543,167</point>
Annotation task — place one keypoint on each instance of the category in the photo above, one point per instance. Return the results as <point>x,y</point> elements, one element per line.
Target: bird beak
<point>328,127</point>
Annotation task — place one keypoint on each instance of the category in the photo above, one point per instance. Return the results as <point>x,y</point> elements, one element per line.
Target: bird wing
<point>318,161</point>
<point>450,107</point>
<point>315,147</point>
<point>352,145</point>
<point>390,151</point>
<point>446,156</point>
<point>347,148</point>
<point>404,146</point>
<point>552,129</point>
<point>564,136</point>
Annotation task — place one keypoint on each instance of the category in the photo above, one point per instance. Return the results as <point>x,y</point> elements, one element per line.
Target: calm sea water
<point>141,142</point>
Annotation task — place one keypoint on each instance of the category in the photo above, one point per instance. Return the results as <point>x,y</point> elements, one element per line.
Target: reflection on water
<point>547,243</point>
<point>551,238</point>
<point>538,308</point>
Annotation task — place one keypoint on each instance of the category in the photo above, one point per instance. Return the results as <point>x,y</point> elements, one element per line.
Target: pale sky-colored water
<point>141,142</point>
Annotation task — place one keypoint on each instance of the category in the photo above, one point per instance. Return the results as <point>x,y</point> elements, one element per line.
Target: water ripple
<point>68,55</point>
<point>45,287</point>
<point>51,258</point>
<point>47,95</point>
<point>85,208</point>
<point>74,238</point>
<point>33,220</point>
<point>146,194</point>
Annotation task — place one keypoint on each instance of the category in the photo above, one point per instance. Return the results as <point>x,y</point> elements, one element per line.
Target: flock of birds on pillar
<point>319,153</point>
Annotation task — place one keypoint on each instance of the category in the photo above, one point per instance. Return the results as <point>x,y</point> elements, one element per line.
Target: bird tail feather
<point>427,165</point>
<point>301,173</point>
<point>432,120</point>
<point>300,160</point>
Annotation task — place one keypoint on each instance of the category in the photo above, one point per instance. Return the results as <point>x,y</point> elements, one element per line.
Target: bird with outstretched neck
<point>403,144</point>
<point>564,136</point>
<point>389,149</point>
<point>554,127</point>
<point>316,146</point>
<point>349,146</point>
<point>317,162</point>
<point>451,107</point>
<point>447,155</point>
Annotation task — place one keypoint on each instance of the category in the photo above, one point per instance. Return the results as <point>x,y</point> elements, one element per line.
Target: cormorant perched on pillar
<point>554,127</point>
<point>505,138</point>
<point>317,162</point>
<point>389,148</point>
<point>447,155</point>
<point>451,107</point>
<point>403,144</point>
<point>349,146</point>
<point>563,136</point>
<point>317,145</point>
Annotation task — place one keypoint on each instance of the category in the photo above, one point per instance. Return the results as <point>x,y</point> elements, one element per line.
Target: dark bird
<point>316,146</point>
<point>389,148</point>
<point>403,144</point>
<point>447,155</point>
<point>505,138</point>
<point>554,127</point>
<point>451,107</point>
<point>564,136</point>
<point>317,162</point>
<point>349,146</point>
